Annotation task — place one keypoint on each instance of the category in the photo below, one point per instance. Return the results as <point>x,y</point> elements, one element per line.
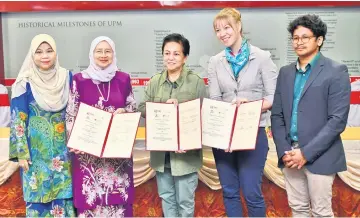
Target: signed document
<point>172,128</point>
<point>89,130</point>
<point>161,127</point>
<point>246,126</point>
<point>101,134</point>
<point>190,125</point>
<point>217,123</point>
<point>121,137</point>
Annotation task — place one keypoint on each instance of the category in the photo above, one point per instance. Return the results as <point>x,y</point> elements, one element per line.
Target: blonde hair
<point>228,14</point>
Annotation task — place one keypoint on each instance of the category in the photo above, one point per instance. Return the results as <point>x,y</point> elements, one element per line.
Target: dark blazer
<point>322,115</point>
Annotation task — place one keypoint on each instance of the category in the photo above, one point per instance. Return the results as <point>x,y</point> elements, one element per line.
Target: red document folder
<point>170,128</point>
<point>103,134</point>
<point>226,126</point>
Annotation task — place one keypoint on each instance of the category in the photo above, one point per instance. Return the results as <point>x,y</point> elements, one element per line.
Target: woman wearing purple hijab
<point>101,187</point>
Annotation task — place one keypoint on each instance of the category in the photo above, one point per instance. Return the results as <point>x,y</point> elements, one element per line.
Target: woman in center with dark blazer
<point>238,74</point>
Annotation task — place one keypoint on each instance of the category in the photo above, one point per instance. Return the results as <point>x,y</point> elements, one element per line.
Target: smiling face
<point>103,55</point>
<point>44,57</point>
<point>173,56</point>
<point>304,42</point>
<point>228,31</point>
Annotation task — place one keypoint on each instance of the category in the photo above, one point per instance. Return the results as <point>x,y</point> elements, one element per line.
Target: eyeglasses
<point>304,39</point>
<point>106,52</point>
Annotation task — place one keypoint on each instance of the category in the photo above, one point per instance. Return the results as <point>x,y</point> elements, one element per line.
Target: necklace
<point>102,96</point>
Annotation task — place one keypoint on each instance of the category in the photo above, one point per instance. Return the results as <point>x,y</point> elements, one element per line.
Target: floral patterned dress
<point>40,136</point>
<point>102,187</point>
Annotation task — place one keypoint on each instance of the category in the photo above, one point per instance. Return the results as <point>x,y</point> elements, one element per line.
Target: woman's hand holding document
<point>104,134</point>
<point>172,127</point>
<point>229,126</point>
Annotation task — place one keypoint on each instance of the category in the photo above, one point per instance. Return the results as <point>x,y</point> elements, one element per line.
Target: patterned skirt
<point>107,211</point>
<point>55,208</point>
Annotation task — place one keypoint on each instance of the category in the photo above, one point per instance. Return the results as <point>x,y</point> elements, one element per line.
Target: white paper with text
<point>190,125</point>
<point>89,130</point>
<point>161,127</point>
<point>246,126</point>
<point>217,123</point>
<point>122,133</point>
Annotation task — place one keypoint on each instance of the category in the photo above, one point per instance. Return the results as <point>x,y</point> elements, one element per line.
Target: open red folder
<point>226,126</point>
<point>172,128</point>
<point>103,134</point>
